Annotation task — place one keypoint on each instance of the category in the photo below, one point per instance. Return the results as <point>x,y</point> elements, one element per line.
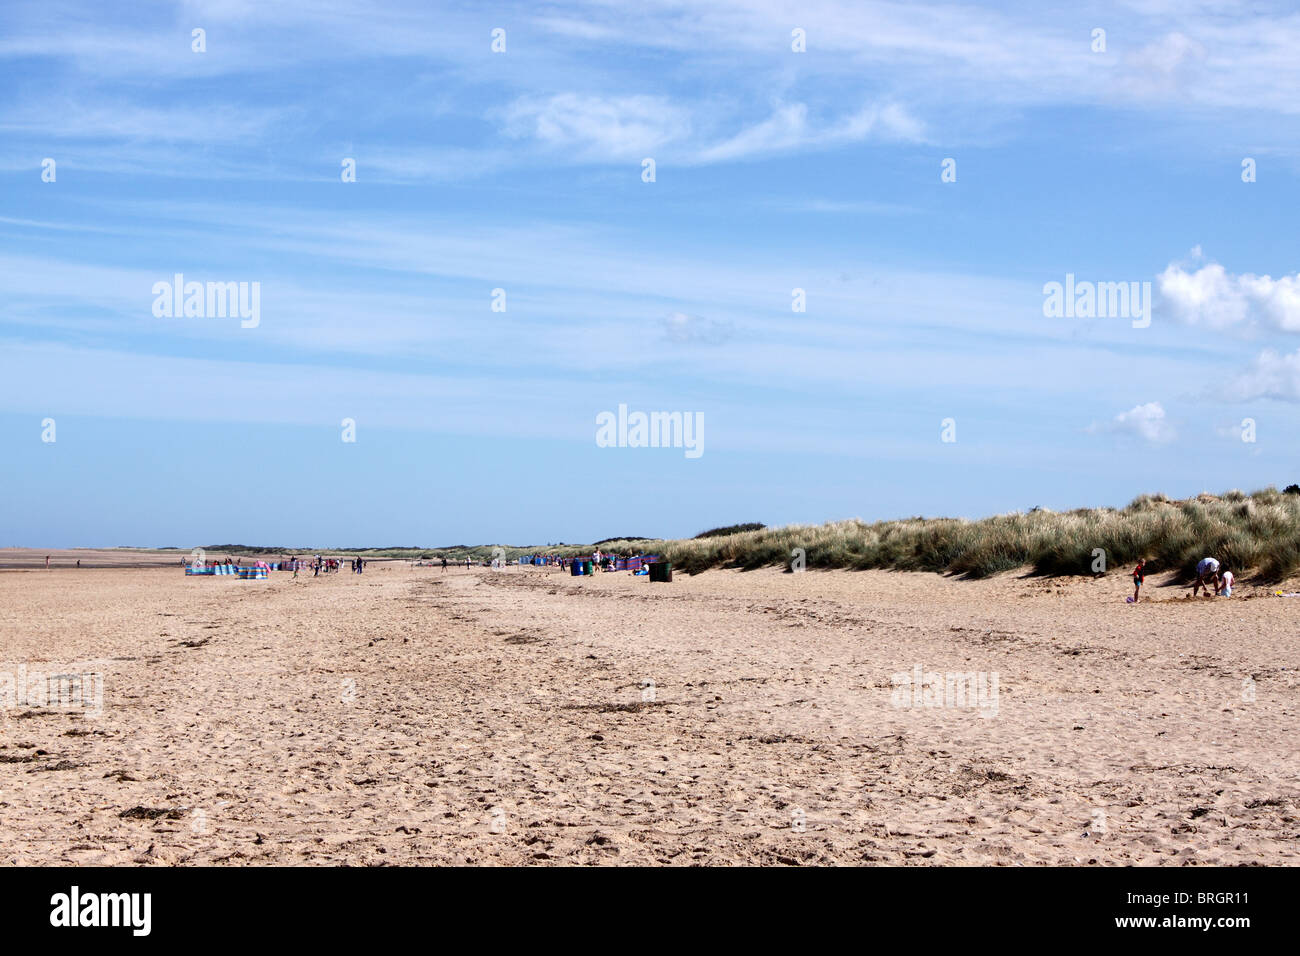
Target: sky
<point>825,232</point>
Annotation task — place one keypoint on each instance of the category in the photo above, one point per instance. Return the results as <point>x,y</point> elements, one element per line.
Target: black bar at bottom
<point>333,906</point>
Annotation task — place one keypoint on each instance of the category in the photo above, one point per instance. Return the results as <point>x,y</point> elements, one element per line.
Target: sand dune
<point>417,716</point>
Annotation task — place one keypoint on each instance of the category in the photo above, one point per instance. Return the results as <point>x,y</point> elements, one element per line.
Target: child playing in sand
<point>1225,583</point>
<point>1139,575</point>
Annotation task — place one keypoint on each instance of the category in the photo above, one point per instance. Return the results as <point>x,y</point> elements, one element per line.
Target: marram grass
<point>1256,534</point>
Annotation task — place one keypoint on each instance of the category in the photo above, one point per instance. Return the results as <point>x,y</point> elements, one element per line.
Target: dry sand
<point>410,716</point>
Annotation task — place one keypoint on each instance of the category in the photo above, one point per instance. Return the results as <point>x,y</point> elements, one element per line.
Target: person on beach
<point>1139,575</point>
<point>47,562</point>
<point>444,563</point>
<point>1207,569</point>
<point>1225,579</point>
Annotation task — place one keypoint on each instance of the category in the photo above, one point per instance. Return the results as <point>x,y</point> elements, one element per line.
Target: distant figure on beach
<point>1207,569</point>
<point>47,562</point>
<point>1226,579</point>
<point>444,562</point>
<point>1139,575</point>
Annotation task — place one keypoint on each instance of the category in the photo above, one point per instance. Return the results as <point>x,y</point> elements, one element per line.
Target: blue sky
<point>522,170</point>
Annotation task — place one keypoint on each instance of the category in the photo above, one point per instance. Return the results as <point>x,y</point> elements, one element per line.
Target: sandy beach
<point>413,716</point>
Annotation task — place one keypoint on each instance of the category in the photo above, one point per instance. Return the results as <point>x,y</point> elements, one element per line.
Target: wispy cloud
<point>789,129</point>
<point>604,128</point>
<point>598,127</point>
<point>869,207</point>
<point>683,328</point>
<point>107,120</point>
<point>1158,56</point>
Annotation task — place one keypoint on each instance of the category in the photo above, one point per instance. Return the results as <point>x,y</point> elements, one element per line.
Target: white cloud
<point>1145,421</point>
<point>1277,299</point>
<point>599,127</point>
<point>1213,297</point>
<point>1272,376</point>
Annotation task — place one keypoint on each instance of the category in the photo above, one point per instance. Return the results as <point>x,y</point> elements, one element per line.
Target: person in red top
<point>1139,573</point>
